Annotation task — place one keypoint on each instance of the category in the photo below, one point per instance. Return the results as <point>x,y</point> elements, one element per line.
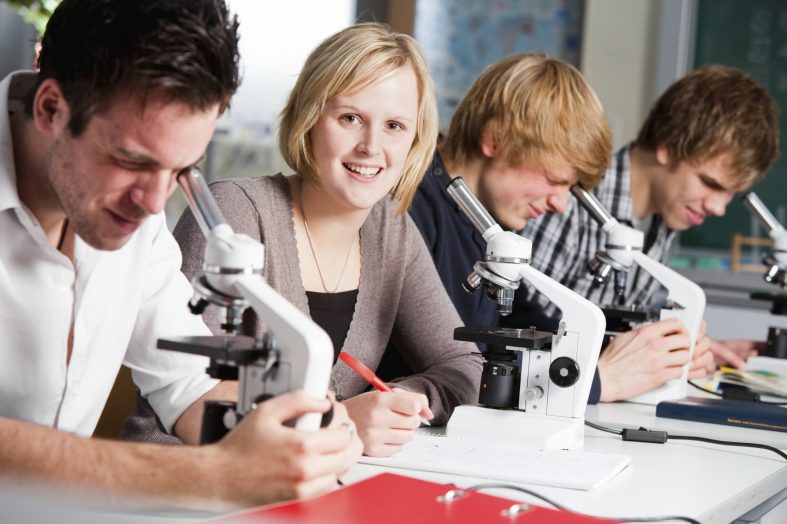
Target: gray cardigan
<point>400,296</point>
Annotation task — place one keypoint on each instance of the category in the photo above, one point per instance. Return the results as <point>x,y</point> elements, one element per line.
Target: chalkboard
<point>750,35</point>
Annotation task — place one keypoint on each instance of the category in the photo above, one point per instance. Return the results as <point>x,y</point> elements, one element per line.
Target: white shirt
<point>121,302</point>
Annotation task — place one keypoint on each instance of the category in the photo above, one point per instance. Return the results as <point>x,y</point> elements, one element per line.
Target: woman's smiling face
<point>362,138</point>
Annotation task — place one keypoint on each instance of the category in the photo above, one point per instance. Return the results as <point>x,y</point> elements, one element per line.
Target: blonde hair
<point>347,61</point>
<point>537,108</point>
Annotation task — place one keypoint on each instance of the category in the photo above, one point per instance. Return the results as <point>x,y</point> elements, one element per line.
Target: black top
<point>333,312</point>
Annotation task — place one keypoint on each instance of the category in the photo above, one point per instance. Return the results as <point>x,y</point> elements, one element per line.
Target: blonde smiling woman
<point>359,131</point>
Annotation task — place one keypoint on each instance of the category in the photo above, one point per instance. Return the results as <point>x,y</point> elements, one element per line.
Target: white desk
<point>712,484</point>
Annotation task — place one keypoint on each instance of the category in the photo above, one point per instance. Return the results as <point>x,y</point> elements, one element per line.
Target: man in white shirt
<point>126,97</point>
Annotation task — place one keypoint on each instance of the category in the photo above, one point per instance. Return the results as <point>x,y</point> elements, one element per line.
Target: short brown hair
<point>712,111</point>
<point>351,59</point>
<point>538,108</point>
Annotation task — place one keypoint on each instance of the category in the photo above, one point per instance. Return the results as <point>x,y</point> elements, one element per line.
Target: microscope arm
<point>233,267</point>
<point>775,230</point>
<point>758,209</point>
<point>624,244</point>
<point>578,315</point>
<point>307,346</point>
<point>689,307</point>
<point>688,298</point>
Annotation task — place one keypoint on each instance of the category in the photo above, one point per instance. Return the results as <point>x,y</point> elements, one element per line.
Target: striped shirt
<point>563,244</point>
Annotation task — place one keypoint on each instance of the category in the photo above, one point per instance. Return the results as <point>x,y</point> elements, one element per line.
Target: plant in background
<point>35,12</point>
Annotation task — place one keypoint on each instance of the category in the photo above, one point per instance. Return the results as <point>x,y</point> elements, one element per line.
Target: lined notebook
<point>582,470</point>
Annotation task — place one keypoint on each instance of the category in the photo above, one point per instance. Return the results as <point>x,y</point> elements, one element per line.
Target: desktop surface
<point>710,483</point>
<point>627,414</point>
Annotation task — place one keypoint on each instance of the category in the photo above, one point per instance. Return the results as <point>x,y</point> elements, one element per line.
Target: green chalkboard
<point>750,35</point>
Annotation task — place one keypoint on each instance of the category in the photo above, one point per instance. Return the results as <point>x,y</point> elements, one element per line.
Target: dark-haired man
<point>127,96</point>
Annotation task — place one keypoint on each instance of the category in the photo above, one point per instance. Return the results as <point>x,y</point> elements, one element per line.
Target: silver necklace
<point>311,247</point>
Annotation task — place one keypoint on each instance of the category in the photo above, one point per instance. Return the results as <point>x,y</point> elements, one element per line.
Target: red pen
<point>365,373</point>
<point>368,375</point>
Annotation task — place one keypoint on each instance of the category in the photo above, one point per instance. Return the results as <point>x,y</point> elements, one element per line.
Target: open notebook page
<point>505,462</point>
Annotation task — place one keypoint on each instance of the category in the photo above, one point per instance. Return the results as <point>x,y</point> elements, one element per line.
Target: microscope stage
<point>528,338</point>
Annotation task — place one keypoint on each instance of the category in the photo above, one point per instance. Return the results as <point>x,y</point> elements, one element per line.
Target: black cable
<point>560,507</point>
<point>730,443</point>
<point>479,487</point>
<point>602,428</point>
<point>703,389</point>
<point>756,396</point>
<point>646,435</point>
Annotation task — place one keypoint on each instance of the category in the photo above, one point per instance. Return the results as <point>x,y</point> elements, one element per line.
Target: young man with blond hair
<point>528,129</point>
<point>712,134</point>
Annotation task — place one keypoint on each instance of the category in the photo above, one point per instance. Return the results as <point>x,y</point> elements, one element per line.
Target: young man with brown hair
<point>712,134</point>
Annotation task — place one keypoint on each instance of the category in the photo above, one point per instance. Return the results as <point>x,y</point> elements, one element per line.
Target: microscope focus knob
<point>534,393</point>
<point>564,372</point>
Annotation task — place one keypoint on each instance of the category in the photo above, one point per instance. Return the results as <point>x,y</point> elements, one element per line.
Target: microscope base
<point>516,427</point>
<point>672,390</point>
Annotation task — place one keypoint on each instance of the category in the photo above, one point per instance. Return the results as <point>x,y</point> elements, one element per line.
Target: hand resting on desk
<point>386,420</point>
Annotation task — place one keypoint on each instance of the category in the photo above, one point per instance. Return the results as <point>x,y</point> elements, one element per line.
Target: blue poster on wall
<point>461,37</point>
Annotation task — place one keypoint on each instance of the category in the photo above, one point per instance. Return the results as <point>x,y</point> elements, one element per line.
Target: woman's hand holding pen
<point>385,421</point>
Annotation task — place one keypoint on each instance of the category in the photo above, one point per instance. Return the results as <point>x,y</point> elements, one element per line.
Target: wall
<point>16,42</point>
<point>616,60</point>
<point>275,40</point>
<point>632,50</point>
<point>460,38</point>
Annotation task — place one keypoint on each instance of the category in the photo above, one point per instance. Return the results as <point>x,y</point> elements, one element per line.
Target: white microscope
<point>295,353</point>
<point>775,273</point>
<point>623,248</point>
<point>541,405</point>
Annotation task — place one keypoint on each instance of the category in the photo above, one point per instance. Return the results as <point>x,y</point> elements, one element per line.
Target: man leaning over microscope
<point>126,97</point>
